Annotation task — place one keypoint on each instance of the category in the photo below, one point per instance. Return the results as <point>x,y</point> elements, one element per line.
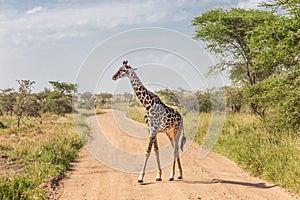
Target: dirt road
<point>214,177</point>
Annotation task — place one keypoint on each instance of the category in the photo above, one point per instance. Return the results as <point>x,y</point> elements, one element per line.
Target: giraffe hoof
<point>179,177</point>
<point>140,181</point>
<point>158,179</point>
<point>171,179</point>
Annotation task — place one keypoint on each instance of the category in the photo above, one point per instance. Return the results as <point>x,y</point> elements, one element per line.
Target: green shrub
<point>41,152</point>
<point>19,188</point>
<point>270,155</point>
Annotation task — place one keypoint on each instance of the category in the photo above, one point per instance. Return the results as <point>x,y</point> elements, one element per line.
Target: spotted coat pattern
<point>159,118</point>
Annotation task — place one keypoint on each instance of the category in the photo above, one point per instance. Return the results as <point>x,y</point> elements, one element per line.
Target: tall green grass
<point>273,156</point>
<point>37,153</point>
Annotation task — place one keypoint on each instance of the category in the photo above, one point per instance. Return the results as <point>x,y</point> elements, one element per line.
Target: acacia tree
<point>262,50</point>
<point>87,100</point>
<point>39,104</point>
<point>64,88</point>
<point>227,34</point>
<point>8,100</point>
<point>23,99</point>
<point>275,47</point>
<point>103,98</point>
<point>204,101</point>
<point>60,100</point>
<point>234,98</point>
<point>292,7</point>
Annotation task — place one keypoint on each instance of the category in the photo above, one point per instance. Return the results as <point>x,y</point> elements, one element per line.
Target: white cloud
<point>249,4</point>
<point>75,20</point>
<point>35,10</point>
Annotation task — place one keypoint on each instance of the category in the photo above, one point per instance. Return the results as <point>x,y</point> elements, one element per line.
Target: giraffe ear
<point>134,69</point>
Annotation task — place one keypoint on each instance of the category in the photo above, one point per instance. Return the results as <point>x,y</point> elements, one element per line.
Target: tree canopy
<point>261,51</point>
<point>227,34</point>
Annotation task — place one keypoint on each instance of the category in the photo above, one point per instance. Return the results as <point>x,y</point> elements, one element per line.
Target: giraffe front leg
<point>179,169</point>
<point>172,173</point>
<point>178,160</point>
<point>158,177</point>
<point>142,173</point>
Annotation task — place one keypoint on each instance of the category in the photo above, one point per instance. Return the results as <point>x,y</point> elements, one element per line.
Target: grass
<point>136,113</point>
<point>272,156</point>
<point>100,112</point>
<point>89,112</point>
<point>37,153</point>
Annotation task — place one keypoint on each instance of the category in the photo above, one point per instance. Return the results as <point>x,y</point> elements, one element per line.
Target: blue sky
<point>53,40</point>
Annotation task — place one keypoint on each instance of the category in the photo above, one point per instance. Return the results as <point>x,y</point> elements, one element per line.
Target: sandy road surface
<point>214,177</point>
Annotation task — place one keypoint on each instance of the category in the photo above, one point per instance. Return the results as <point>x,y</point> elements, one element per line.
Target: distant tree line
<point>24,103</point>
<point>215,99</point>
<point>88,100</point>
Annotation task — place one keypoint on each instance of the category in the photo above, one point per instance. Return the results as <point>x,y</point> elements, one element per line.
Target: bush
<point>19,188</point>
<point>45,151</point>
<point>269,155</point>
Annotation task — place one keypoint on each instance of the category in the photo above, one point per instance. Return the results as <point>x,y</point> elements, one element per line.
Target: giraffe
<point>159,118</point>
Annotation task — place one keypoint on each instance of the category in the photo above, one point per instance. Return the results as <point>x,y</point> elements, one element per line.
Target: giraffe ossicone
<point>159,118</point>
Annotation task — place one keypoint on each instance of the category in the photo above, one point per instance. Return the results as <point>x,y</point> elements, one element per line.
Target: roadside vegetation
<point>260,51</point>
<point>35,156</point>
<point>39,139</point>
<point>246,140</point>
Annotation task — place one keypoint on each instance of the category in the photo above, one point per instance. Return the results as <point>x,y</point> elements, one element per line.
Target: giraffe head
<point>124,71</point>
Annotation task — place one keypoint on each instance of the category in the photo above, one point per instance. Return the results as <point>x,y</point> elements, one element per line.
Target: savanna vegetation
<point>38,138</point>
<point>260,51</point>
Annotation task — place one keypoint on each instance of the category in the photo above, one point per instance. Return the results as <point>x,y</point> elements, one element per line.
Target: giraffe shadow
<point>148,183</point>
<point>256,185</point>
<point>247,184</point>
<point>213,181</point>
<point>157,182</point>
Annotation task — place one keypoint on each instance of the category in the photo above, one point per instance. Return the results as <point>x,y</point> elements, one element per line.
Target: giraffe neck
<point>144,95</point>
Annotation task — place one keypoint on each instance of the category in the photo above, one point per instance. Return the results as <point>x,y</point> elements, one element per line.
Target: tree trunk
<point>19,119</point>
<point>2,125</point>
<point>256,110</point>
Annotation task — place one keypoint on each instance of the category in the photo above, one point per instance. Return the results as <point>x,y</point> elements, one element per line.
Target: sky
<point>85,42</point>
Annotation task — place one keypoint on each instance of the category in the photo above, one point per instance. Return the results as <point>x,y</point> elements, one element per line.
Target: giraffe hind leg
<point>176,156</point>
<point>183,141</point>
<point>176,159</point>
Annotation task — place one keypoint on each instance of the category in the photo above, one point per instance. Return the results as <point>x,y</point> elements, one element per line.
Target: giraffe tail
<point>183,140</point>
